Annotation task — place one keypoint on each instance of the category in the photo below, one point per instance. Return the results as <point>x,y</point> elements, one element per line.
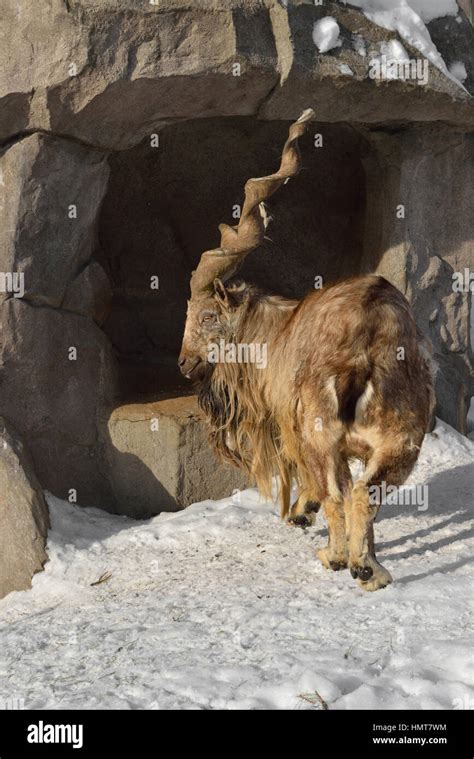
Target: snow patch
<point>221,606</point>
<point>394,63</point>
<point>326,34</point>
<point>394,50</point>
<point>345,69</point>
<point>426,9</point>
<point>458,70</point>
<point>359,45</point>
<point>408,20</point>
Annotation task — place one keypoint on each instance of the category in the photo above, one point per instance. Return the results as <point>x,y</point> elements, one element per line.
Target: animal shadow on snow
<point>450,497</point>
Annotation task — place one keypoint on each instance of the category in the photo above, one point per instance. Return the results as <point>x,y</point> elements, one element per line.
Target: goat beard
<point>241,431</point>
<point>221,412</point>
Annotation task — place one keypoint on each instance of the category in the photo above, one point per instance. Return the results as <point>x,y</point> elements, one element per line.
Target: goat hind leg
<point>303,511</point>
<point>392,466</point>
<point>360,529</point>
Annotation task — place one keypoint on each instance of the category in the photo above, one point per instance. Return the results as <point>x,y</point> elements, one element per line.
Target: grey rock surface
<point>24,518</point>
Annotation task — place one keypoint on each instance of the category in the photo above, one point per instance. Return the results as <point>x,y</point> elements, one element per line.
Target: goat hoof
<point>312,507</point>
<point>365,573</point>
<point>324,556</point>
<point>300,521</point>
<point>379,578</point>
<point>337,565</point>
<point>354,573</point>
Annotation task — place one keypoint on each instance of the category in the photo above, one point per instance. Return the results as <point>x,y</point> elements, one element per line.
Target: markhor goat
<point>347,375</point>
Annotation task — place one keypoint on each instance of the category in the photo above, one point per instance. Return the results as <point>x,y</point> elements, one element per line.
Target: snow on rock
<point>458,70</point>
<point>223,606</point>
<point>359,45</point>
<point>408,20</point>
<point>426,9</point>
<point>391,52</point>
<point>326,34</point>
<point>345,69</point>
<point>394,50</point>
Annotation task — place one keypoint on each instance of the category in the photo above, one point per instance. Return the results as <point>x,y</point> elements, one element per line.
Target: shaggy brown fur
<point>347,376</point>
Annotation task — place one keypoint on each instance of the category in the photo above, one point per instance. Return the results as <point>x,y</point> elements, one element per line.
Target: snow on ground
<point>223,606</point>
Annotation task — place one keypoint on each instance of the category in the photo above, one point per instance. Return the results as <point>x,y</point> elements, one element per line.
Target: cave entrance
<point>165,200</point>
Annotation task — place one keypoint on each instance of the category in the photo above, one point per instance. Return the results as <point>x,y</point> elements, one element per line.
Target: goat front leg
<point>335,555</point>
<point>360,515</point>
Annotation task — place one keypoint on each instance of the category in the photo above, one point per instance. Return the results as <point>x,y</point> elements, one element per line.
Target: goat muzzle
<point>188,365</point>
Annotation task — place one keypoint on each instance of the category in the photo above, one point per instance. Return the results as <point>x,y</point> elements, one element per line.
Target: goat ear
<point>221,292</point>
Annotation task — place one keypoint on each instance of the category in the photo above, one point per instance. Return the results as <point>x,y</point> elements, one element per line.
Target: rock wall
<point>428,170</point>
<point>107,72</point>
<point>24,518</point>
<point>57,369</point>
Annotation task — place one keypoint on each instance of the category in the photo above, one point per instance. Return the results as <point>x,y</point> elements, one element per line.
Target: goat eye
<point>208,318</point>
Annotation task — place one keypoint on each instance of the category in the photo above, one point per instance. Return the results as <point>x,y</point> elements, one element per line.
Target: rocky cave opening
<point>165,200</point>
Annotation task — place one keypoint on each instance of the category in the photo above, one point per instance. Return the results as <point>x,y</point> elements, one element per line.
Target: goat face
<point>210,319</point>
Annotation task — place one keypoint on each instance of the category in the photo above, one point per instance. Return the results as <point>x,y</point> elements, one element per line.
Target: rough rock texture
<point>50,194</point>
<point>431,172</point>
<point>159,458</point>
<point>133,65</point>
<point>90,210</point>
<point>452,35</point>
<point>110,72</point>
<point>89,294</point>
<point>322,82</point>
<point>24,519</point>
<point>56,400</point>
